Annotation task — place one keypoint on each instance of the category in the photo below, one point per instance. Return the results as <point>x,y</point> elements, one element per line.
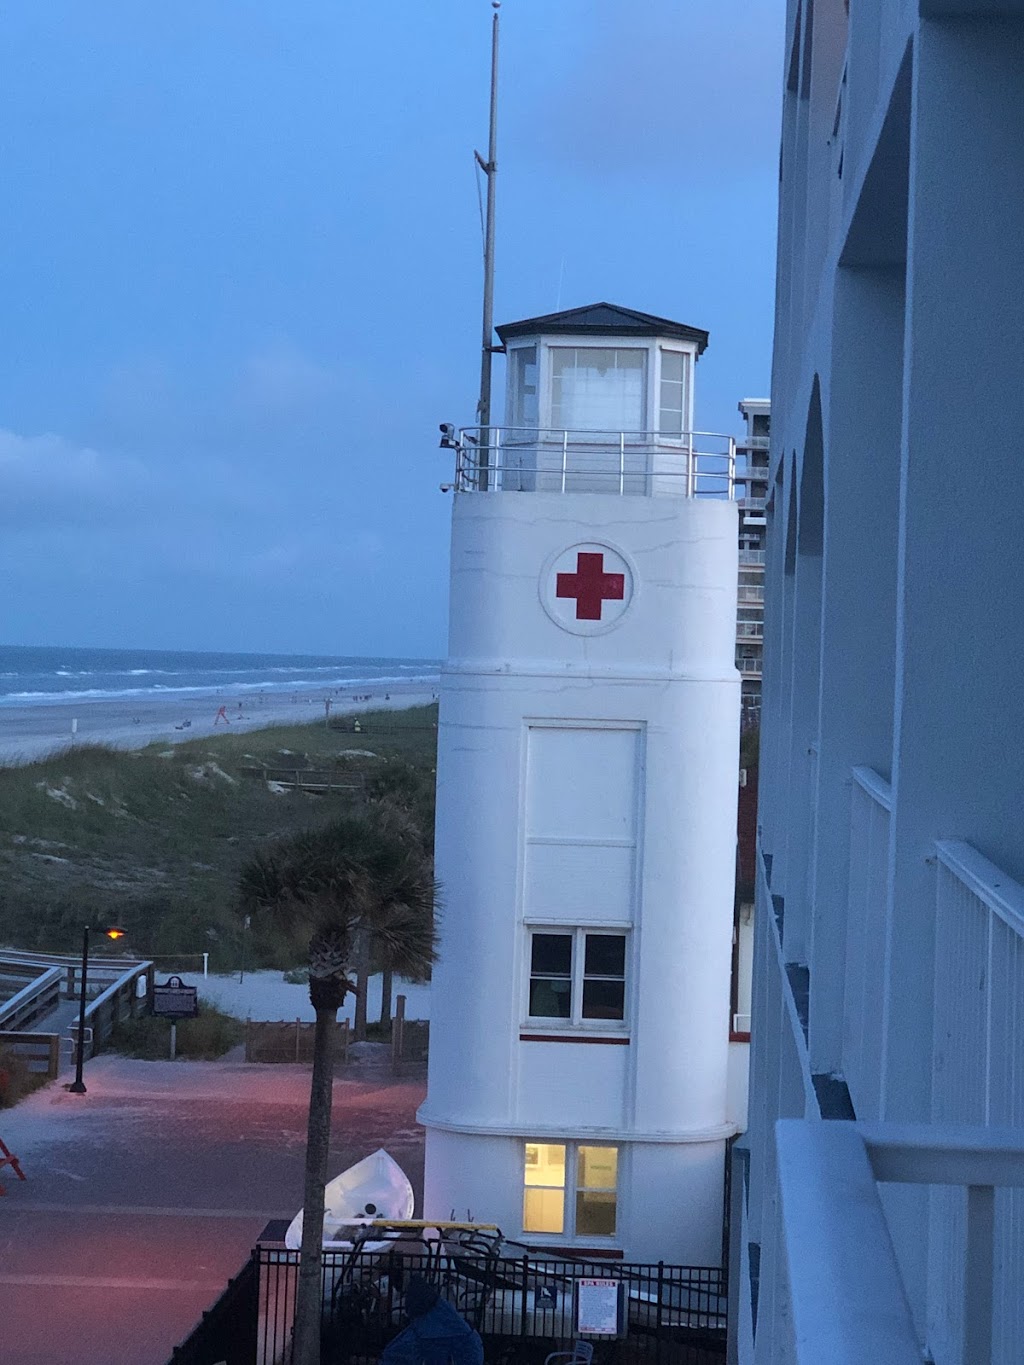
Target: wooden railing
<point>39,1051</point>
<point>38,998</point>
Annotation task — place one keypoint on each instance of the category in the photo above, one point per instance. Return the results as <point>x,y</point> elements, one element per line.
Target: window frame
<point>571,1190</point>
<point>576,1021</point>
<point>686,390</point>
<point>596,343</point>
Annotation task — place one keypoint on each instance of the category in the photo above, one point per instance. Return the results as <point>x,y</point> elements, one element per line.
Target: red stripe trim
<point>571,1038</point>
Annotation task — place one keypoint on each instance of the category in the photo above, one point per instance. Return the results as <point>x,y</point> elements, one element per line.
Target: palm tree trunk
<point>362,963</point>
<point>387,986</point>
<point>309,1293</point>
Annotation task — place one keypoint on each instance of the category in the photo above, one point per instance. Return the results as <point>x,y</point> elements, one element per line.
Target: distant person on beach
<point>222,715</point>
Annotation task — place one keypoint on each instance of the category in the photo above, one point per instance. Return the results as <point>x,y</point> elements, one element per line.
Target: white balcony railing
<point>844,1297</point>
<point>641,463</point>
<point>752,556</point>
<point>978,1077</point>
<point>870,807</point>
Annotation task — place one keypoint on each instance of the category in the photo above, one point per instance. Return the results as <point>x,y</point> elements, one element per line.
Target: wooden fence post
<point>298,1037</point>
<point>398,1031</point>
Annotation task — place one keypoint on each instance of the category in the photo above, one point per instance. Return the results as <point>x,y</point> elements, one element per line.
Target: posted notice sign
<point>175,1000</point>
<point>599,1308</point>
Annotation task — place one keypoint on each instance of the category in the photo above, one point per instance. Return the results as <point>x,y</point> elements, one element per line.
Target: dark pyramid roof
<point>598,319</point>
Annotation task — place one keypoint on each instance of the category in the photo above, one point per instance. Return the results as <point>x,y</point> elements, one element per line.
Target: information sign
<point>175,1000</point>
<point>599,1306</point>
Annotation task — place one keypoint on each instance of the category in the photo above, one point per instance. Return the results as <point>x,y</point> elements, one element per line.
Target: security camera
<point>449,441</point>
<point>445,487</point>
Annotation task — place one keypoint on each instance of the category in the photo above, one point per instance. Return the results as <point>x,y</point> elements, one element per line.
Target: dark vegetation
<point>16,1081</point>
<point>155,839</point>
<point>204,1038</point>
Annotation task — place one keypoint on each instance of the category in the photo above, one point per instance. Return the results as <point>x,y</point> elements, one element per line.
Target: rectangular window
<point>673,401</point>
<point>523,380</point>
<point>597,388</point>
<point>570,1189</point>
<point>544,1188</point>
<point>578,976</point>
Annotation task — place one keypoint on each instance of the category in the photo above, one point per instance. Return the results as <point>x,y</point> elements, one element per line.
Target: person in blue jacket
<point>436,1334</point>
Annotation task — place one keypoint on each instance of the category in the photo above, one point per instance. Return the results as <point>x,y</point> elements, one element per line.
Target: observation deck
<point>692,464</point>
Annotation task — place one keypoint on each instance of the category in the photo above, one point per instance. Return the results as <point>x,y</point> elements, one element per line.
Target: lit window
<point>587,1174</point>
<point>544,1187</point>
<point>673,397</point>
<point>578,976</point>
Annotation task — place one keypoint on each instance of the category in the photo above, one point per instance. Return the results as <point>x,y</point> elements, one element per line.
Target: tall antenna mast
<point>490,170</point>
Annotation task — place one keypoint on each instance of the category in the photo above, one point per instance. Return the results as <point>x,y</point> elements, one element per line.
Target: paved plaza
<point>145,1195</point>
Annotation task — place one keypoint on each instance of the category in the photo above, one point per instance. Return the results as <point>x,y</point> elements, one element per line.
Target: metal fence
<point>227,1334</point>
<point>547,460</point>
<point>523,1306</point>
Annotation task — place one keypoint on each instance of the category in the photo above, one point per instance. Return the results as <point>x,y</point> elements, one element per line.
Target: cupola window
<point>523,380</point>
<point>597,388</point>
<point>674,399</point>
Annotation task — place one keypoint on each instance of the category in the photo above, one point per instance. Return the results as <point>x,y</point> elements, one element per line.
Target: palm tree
<point>362,878</point>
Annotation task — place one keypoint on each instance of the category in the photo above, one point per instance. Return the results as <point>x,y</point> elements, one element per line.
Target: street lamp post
<point>77,1087</point>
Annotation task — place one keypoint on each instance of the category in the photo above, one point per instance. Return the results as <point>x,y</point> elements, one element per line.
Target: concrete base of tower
<point>667,1202</point>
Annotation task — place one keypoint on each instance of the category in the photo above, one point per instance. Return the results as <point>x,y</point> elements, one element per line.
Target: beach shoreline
<point>38,729</point>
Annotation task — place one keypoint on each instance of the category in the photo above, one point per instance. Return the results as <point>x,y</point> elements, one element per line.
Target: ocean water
<point>36,676</point>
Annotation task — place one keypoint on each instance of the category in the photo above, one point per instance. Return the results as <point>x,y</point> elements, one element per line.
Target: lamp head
<point>114,932</point>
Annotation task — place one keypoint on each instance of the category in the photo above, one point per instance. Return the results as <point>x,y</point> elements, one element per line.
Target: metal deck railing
<point>528,1299</point>
<point>638,463</point>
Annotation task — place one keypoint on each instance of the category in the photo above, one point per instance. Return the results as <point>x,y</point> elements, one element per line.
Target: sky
<point>240,259</point>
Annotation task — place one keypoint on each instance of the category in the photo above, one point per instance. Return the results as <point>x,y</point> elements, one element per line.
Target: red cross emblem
<point>590,586</point>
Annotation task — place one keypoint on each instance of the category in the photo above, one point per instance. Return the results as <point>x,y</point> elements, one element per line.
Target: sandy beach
<point>32,730</point>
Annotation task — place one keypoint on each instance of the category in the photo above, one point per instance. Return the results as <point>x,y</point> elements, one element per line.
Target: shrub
<point>16,1080</point>
<point>204,1038</point>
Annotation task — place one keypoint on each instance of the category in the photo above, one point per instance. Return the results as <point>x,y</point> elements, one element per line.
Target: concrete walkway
<point>145,1195</point>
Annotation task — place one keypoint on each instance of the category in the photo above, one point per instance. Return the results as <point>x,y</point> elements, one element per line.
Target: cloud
<point>280,380</point>
<point>669,88</point>
<point>45,482</point>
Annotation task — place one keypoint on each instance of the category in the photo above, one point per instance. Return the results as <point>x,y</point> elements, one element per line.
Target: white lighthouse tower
<point>586,818</point>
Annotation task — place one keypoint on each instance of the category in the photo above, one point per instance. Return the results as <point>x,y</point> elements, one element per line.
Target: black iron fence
<point>524,1306</point>
<point>229,1332</point>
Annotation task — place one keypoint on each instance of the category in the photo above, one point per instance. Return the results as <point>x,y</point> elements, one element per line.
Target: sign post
<point>175,1000</point>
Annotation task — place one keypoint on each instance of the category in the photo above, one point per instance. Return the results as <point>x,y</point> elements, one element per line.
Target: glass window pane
<point>545,1164</point>
<point>672,366</point>
<point>598,388</point>
<point>551,953</point>
<point>604,999</point>
<point>595,1214</point>
<point>524,386</point>
<point>550,997</point>
<point>543,1210</point>
<point>597,1168</point>
<point>605,955</point>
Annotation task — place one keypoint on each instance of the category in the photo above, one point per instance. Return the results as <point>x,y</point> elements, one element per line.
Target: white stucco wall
<point>663,680</point>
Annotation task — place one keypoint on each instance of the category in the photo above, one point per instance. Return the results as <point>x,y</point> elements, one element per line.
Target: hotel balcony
<point>862,1240</point>
<point>695,464</point>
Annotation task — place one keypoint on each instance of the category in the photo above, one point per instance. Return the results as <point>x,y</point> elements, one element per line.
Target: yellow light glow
<point>114,933</point>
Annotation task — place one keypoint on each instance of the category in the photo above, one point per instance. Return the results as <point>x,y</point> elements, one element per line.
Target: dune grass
<point>153,839</point>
